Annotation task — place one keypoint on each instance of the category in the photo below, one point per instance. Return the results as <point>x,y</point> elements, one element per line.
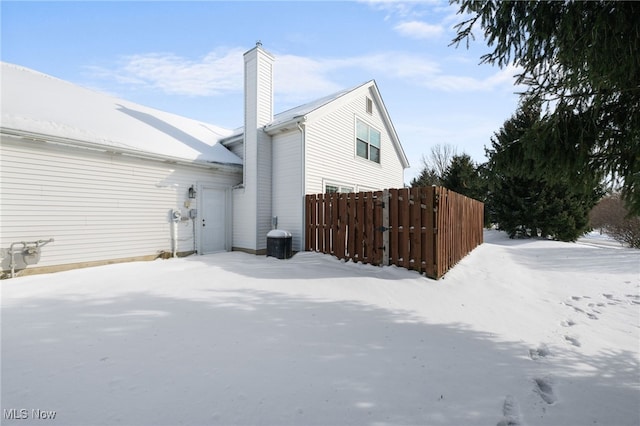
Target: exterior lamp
<point>192,192</point>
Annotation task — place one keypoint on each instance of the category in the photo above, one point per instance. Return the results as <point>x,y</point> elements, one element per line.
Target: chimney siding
<point>258,105</point>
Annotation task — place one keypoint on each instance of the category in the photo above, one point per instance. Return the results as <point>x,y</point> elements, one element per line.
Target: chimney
<point>258,87</point>
<point>258,111</point>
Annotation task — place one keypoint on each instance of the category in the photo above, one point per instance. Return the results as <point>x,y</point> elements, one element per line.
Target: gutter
<point>285,125</point>
<point>270,129</point>
<point>77,143</point>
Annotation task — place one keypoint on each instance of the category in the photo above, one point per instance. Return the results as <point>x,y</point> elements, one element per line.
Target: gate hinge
<point>382,229</point>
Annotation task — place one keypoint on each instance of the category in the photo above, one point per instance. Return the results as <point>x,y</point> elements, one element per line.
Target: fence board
<point>429,238</point>
<point>341,228</point>
<point>395,224</point>
<point>312,222</point>
<point>367,228</point>
<point>378,244</point>
<point>427,229</point>
<point>405,224</point>
<point>416,226</point>
<point>351,245</point>
<point>359,212</point>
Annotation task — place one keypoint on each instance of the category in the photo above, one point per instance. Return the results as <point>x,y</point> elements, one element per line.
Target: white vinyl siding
<point>331,155</point>
<point>264,187</point>
<point>237,148</point>
<point>97,206</point>
<point>287,185</point>
<point>252,203</point>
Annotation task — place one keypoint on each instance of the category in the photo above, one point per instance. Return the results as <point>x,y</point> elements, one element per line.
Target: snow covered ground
<point>520,332</point>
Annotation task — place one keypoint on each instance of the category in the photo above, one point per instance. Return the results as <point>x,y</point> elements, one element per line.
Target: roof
<point>37,104</point>
<point>288,119</point>
<point>302,110</point>
<point>293,114</point>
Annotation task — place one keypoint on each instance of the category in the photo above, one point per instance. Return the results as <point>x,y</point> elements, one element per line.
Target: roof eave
<point>394,135</point>
<point>77,143</point>
<point>233,139</point>
<point>291,124</point>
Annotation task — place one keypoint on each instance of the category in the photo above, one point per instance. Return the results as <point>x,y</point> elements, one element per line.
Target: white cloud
<point>297,78</point>
<point>397,8</point>
<point>456,83</point>
<point>216,73</point>
<point>419,30</point>
<point>398,65</point>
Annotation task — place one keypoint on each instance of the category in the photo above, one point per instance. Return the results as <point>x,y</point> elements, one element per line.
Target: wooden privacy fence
<point>425,229</point>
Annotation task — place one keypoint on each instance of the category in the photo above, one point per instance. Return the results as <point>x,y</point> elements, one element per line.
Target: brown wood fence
<point>425,229</point>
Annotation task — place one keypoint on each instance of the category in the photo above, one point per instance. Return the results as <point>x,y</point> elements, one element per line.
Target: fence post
<point>385,226</point>
<point>437,232</point>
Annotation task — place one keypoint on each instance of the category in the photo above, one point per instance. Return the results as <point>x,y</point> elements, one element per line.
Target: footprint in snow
<point>578,309</point>
<point>541,352</point>
<point>545,390</point>
<point>572,340</point>
<point>612,300</point>
<point>510,412</point>
<point>568,323</point>
<point>582,311</point>
<point>634,298</point>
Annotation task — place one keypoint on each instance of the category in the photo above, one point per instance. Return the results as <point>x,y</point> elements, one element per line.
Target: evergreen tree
<point>520,201</point>
<point>579,59</point>
<point>427,177</point>
<point>463,177</point>
<point>466,177</point>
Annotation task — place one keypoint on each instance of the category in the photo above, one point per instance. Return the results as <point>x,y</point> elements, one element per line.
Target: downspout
<point>303,185</point>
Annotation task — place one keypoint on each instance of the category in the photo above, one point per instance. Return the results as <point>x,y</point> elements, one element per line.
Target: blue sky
<point>186,58</point>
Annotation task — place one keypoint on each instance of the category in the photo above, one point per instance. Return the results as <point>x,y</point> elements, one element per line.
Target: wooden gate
<point>425,229</point>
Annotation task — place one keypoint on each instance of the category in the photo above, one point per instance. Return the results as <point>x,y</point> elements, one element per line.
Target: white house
<point>109,180</point>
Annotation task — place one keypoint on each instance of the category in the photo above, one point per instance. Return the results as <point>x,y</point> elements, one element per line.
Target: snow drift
<point>519,333</point>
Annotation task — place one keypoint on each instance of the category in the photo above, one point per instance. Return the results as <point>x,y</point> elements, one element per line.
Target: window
<point>330,188</point>
<point>367,142</point>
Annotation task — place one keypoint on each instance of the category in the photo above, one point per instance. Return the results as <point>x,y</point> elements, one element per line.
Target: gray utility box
<point>279,244</point>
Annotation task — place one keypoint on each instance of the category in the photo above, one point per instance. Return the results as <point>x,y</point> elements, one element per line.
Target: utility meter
<point>177,215</point>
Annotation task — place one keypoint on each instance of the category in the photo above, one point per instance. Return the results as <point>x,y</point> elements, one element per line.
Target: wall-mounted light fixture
<point>192,192</point>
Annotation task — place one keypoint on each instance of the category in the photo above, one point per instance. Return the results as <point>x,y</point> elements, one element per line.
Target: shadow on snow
<point>252,357</point>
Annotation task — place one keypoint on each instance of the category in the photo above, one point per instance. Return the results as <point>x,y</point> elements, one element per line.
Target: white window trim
<point>367,189</point>
<point>339,185</point>
<point>355,141</point>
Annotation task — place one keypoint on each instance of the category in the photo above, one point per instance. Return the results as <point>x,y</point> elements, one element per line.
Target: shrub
<point>611,215</point>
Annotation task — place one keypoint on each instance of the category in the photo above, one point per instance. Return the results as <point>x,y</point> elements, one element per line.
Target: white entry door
<point>213,220</point>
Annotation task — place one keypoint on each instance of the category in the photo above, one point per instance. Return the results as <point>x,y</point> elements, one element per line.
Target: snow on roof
<point>33,102</point>
<point>296,112</point>
<point>305,109</point>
